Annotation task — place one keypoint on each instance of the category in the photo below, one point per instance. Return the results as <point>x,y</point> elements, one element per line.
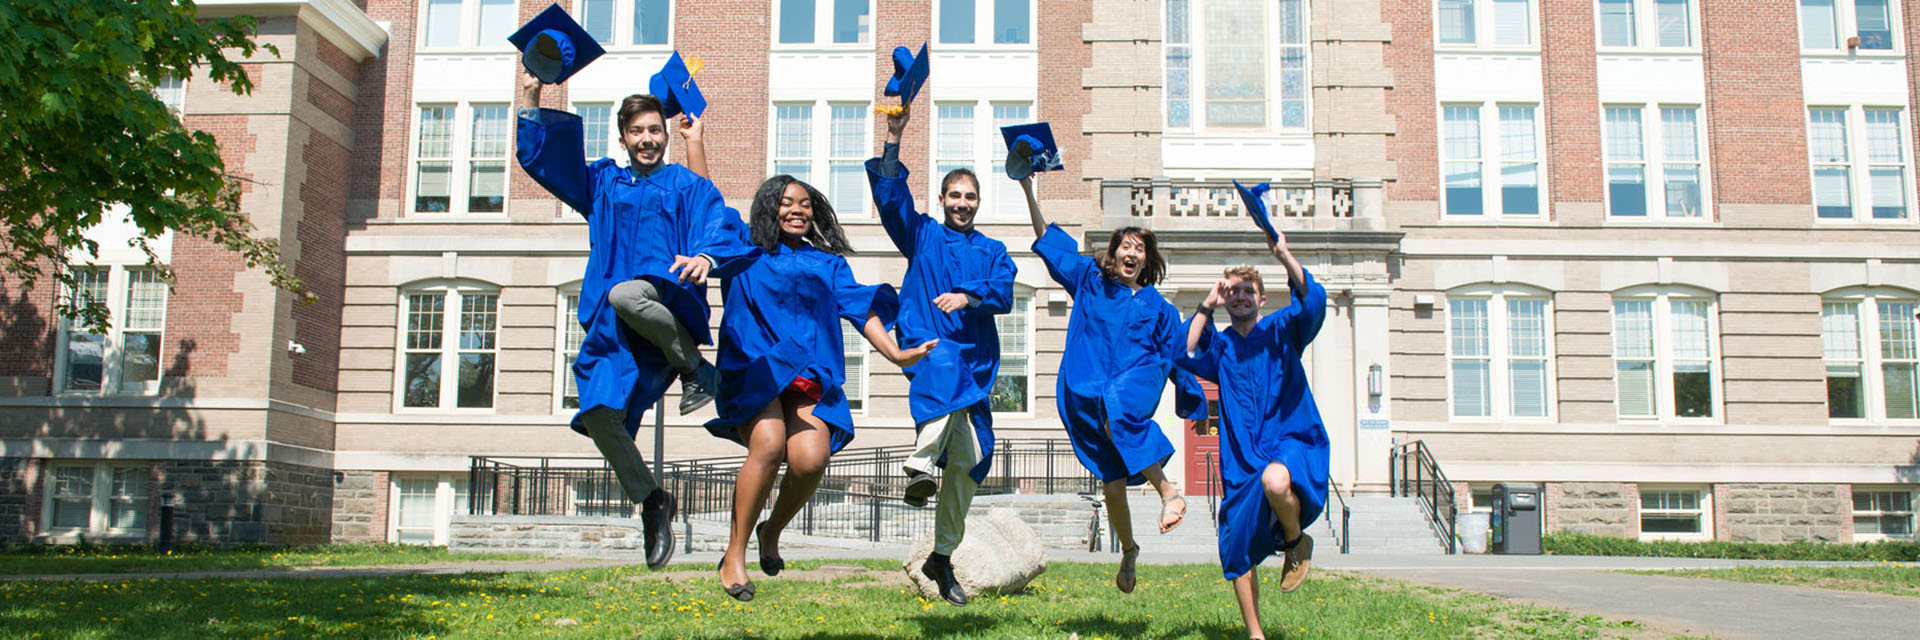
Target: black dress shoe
<point>656,522</point>
<point>920,486</point>
<point>939,569</point>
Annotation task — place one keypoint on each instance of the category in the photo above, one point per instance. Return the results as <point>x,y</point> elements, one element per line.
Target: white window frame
<point>172,92</point>
<point>112,354</point>
<point>983,21</point>
<point>446,501</point>
<point>1662,299</point>
<point>452,293</point>
<point>470,37</point>
<point>1029,295</point>
<point>1485,29</point>
<point>1273,58</point>
<point>101,500</point>
<point>1847,25</point>
<point>1859,164</point>
<point>820,159</point>
<point>1492,160</point>
<point>853,345</point>
<point>985,156</point>
<point>1500,352</point>
<point>1646,29</point>
<point>1853,508</point>
<point>1654,163</point>
<point>1704,502</point>
<point>460,161</point>
<point>822,27</point>
<point>565,327</point>
<point>623,32</point>
<point>1871,349</point>
<point>610,147</point>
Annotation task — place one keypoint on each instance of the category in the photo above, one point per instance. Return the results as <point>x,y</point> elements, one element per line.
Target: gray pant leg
<point>638,304</point>
<point>616,445</point>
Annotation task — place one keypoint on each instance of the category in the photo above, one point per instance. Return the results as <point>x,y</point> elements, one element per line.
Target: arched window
<point>1499,352</point>
<point>449,344</point>
<point>1870,353</point>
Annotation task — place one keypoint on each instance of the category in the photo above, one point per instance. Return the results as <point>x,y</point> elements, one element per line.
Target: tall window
<point>469,24</point>
<point>1012,386</point>
<point>1499,23</point>
<point>833,148</point>
<point>1006,194</point>
<point>967,136</point>
<point>478,176</point>
<point>1645,23</point>
<point>1826,25</point>
<point>1654,145</point>
<point>854,346</point>
<point>1860,163</point>
<point>97,499</point>
<point>1665,355</point>
<point>1248,65</point>
<point>613,23</point>
<point>1498,353</point>
<point>125,359</point>
<point>823,21</point>
<point>1675,513</point>
<point>984,21</point>
<point>1510,158</point>
<point>1870,355</point>
<point>424,505</point>
<point>449,348</point>
<point>172,92</point>
<point>571,335</point>
<point>1882,513</point>
<point>598,131</point>
<point>953,139</point>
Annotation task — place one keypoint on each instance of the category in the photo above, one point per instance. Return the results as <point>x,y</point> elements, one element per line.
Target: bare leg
<point>1246,590</point>
<point>1170,516</point>
<point>1286,506</point>
<point>766,446</point>
<point>807,449</point>
<point>1119,517</point>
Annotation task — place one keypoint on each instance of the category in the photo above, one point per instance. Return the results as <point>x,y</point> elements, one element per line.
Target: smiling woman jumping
<point>1121,342</point>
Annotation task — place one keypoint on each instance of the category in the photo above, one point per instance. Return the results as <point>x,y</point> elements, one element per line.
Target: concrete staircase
<point>1389,525</point>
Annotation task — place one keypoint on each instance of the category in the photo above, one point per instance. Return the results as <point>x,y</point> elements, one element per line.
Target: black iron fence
<point>1416,474</point>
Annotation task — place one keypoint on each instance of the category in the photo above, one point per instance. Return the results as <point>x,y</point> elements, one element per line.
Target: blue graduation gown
<point>1267,415</point>
<point>959,373</point>
<point>1120,349</point>
<point>636,224</point>
<point>781,322</point>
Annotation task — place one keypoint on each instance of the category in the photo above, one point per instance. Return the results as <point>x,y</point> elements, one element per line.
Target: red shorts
<point>807,386</point>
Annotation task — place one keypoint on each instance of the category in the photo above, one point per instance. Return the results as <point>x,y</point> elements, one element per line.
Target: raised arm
<point>1202,319</point>
<point>693,132</point>
<point>1033,208</point>
<point>892,197</point>
<point>1296,275</point>
<point>550,147</point>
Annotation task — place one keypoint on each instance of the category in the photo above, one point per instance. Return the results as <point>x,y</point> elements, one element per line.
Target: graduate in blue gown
<point>1273,446</point>
<point>1121,342</point>
<point>657,231</point>
<point>957,281</point>
<point>783,365</point>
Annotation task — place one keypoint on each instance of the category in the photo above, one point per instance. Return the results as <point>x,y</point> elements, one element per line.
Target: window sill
<point>808,47</point>
<point>1878,55</point>
<point>1664,52</point>
<point>938,48</point>
<point>1629,221</point>
<point>1870,222</point>
<point>1495,221</point>
<point>453,218</point>
<point>1532,50</point>
<point>464,51</point>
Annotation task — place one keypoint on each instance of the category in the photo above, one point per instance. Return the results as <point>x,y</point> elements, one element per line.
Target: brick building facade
<point>1660,256</point>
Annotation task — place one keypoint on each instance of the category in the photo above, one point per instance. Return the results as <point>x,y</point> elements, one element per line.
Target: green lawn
<point>68,559</point>
<point>869,600</point>
<point>1901,579</point>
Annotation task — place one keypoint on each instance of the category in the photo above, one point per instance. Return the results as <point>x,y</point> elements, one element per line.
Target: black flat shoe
<point>920,486</point>
<point>770,564</point>
<point>741,592</point>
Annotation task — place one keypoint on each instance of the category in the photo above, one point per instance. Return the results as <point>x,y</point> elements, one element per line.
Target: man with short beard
<point>957,280</point>
<point>658,230</point>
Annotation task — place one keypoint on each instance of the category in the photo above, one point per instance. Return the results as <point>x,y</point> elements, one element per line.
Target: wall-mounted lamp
<point>1373,382</point>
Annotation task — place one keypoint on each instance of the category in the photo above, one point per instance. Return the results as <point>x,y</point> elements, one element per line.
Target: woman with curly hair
<point>782,365</point>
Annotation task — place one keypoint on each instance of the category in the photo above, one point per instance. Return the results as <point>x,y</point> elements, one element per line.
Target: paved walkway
<point>1588,585</point>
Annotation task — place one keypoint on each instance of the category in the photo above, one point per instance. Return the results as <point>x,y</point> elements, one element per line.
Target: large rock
<point>999,555</point>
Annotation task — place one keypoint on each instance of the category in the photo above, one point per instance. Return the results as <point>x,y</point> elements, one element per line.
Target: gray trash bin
<point>1517,518</point>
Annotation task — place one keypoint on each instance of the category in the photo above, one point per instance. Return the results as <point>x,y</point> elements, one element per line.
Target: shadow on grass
<point>149,608</point>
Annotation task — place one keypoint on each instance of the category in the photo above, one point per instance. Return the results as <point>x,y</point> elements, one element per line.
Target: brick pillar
<point>383,115</point>
<point>905,23</point>
<point>1412,148</point>
<point>732,36</point>
<point>1756,112</point>
<point>1062,101</point>
<point>1571,71</point>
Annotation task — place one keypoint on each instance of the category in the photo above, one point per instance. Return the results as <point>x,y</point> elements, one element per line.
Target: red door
<point>1203,447</point>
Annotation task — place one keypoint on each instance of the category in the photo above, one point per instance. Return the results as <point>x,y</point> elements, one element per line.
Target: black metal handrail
<point>1342,537</point>
<point>1416,474</point>
<point>1213,487</point>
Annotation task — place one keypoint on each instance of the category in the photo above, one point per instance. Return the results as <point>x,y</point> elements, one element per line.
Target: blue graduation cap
<point>1255,199</point>
<point>909,72</point>
<point>1030,149</point>
<point>675,88</point>
<point>553,47</point>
